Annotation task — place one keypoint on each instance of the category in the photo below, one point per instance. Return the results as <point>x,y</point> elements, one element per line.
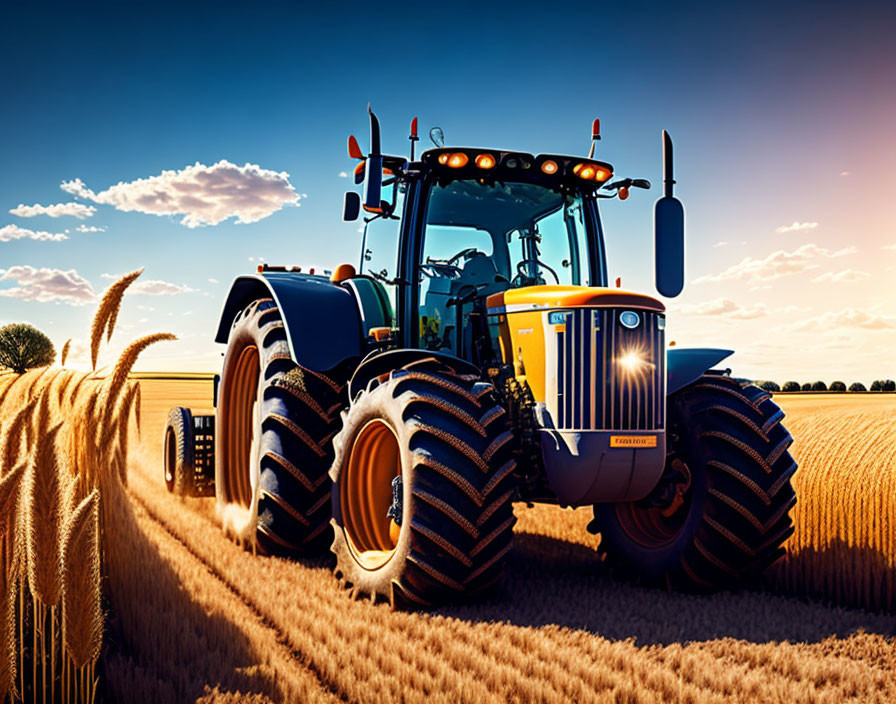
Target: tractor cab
<point>444,233</point>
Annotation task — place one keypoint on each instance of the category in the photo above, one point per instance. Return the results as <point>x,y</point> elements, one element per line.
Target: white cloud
<point>14,232</point>
<point>45,285</point>
<point>777,264</point>
<point>721,244</point>
<point>203,195</point>
<point>726,307</point>
<point>89,228</point>
<point>848,318</point>
<point>842,276</point>
<point>159,288</point>
<point>58,210</point>
<point>797,227</point>
<point>152,287</point>
<point>891,247</point>
<point>213,281</point>
<point>844,173</point>
<point>343,174</point>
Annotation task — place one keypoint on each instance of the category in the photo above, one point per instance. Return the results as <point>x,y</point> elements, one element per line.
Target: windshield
<point>532,234</point>
<point>482,238</point>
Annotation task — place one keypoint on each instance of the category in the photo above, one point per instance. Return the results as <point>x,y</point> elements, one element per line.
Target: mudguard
<point>685,366</point>
<point>323,325</point>
<point>377,363</point>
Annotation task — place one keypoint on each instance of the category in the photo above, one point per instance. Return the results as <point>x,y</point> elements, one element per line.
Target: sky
<point>197,139</point>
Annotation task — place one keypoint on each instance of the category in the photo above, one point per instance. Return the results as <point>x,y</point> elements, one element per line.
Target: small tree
<point>889,385</point>
<point>769,386</point>
<point>819,386</point>
<point>806,387</point>
<point>838,386</point>
<point>23,346</point>
<point>877,385</point>
<point>857,386</point>
<point>791,386</point>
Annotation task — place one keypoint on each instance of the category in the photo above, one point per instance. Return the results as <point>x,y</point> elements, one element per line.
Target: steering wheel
<point>462,253</point>
<point>521,276</point>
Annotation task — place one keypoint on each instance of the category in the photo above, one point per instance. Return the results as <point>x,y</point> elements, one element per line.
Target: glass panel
<point>381,246</point>
<point>483,238</point>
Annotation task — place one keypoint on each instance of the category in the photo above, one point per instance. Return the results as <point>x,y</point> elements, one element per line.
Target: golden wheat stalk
<point>128,358</point>
<point>11,442</point>
<point>42,520</point>
<point>81,608</point>
<point>9,492</point>
<point>64,354</point>
<point>9,496</point>
<point>107,313</point>
<point>122,417</point>
<point>8,584</point>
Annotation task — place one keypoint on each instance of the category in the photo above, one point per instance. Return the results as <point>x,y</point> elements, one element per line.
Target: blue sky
<point>782,119</point>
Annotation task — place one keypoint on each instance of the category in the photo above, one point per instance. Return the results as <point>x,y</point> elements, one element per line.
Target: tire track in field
<point>300,658</point>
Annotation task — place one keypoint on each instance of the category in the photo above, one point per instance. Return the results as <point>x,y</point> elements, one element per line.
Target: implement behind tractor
<point>477,357</point>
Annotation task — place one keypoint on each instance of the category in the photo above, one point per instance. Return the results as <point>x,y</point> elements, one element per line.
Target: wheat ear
<point>81,608</point>
<point>107,313</point>
<point>43,510</point>
<point>8,593</point>
<point>11,442</point>
<point>126,362</point>
<point>64,354</point>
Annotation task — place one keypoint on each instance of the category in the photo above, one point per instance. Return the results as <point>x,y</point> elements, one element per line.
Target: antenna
<point>413,137</point>
<point>595,135</point>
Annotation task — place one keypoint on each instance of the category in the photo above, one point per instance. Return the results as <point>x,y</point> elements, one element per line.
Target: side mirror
<point>668,232</point>
<point>373,176</point>
<point>351,206</point>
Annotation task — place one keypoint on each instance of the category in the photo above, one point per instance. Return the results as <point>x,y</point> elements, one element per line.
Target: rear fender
<point>323,326</point>
<point>684,367</point>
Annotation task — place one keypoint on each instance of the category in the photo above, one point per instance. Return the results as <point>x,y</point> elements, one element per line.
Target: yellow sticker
<point>633,441</point>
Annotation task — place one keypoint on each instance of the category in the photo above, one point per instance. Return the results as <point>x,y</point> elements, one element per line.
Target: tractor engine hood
<point>594,360</point>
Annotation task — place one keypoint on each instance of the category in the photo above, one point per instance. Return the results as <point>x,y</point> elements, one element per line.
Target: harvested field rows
<point>560,630</point>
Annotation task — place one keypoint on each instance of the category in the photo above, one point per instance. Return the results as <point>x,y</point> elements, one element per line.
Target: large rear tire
<point>730,516</point>
<point>423,483</point>
<point>274,423</point>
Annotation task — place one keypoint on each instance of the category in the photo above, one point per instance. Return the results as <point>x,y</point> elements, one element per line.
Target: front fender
<point>685,366</point>
<point>323,326</point>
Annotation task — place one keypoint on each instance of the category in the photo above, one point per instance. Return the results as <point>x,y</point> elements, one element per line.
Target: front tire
<point>274,423</point>
<point>423,482</point>
<point>728,446</point>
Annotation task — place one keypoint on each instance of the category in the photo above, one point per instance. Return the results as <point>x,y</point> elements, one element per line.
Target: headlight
<point>630,319</point>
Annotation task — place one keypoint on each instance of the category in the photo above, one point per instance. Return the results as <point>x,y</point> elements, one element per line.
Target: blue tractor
<point>477,356</point>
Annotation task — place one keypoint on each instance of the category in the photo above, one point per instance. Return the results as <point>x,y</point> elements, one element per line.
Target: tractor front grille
<point>595,389</point>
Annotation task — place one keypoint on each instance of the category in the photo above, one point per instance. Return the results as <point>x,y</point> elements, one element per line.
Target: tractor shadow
<point>161,643</point>
<point>550,582</point>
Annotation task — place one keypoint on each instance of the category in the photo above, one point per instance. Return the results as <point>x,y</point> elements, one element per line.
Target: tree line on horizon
<point>878,385</point>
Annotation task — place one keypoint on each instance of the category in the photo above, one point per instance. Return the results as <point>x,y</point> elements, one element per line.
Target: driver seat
<point>481,274</point>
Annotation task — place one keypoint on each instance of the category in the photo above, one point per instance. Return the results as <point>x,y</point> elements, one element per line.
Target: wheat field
<point>63,461</point>
<point>216,623</point>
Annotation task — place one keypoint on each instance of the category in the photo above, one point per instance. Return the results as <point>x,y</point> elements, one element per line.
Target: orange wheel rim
<point>240,427</point>
<point>366,494</point>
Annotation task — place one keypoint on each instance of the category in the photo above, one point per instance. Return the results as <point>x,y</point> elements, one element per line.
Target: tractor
<point>478,357</point>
